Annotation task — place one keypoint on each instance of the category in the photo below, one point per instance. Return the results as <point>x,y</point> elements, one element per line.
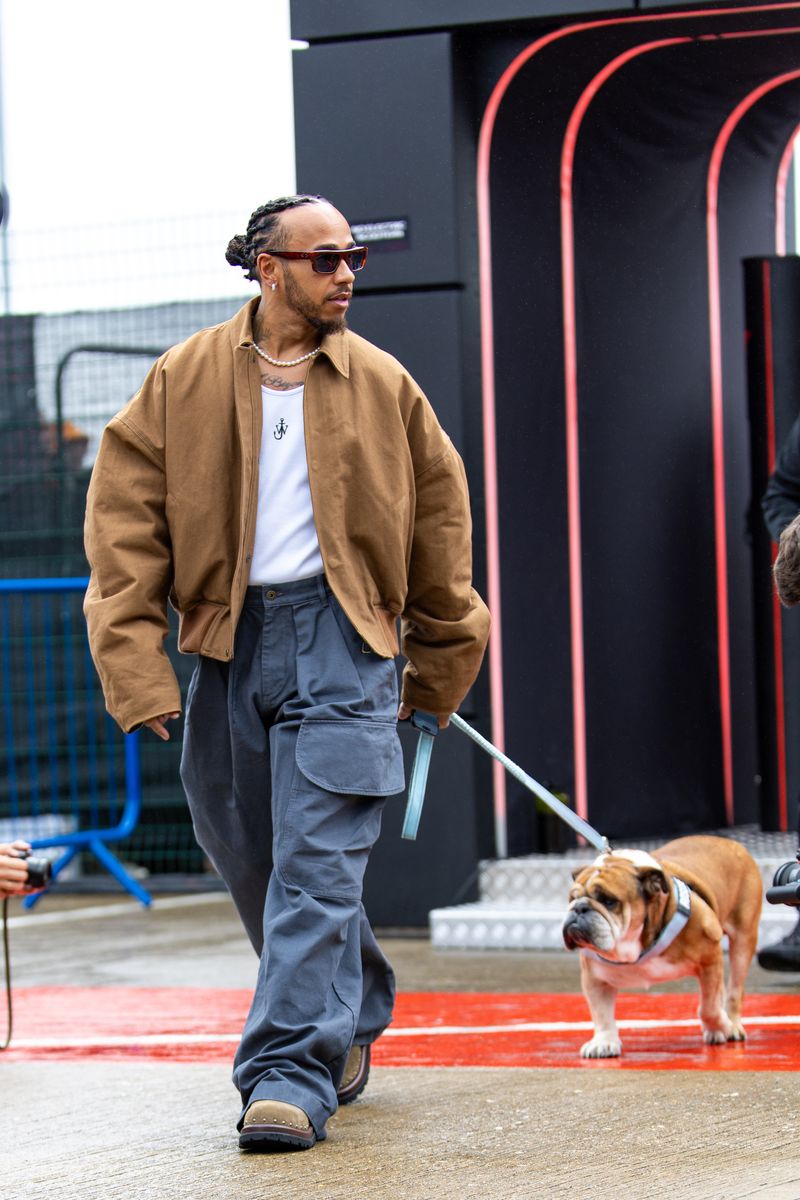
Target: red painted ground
<point>431,1029</point>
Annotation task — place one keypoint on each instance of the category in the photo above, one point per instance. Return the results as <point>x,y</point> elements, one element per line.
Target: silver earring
<point>274,286</point>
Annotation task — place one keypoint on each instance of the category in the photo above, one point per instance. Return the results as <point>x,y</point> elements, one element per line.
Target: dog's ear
<point>578,871</point>
<point>653,883</point>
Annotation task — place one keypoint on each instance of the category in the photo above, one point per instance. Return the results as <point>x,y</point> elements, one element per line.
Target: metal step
<point>498,925</point>
<point>523,901</point>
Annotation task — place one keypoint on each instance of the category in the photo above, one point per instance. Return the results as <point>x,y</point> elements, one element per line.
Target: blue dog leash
<point>428,727</point>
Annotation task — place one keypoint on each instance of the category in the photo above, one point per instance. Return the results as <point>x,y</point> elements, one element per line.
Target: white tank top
<point>286,546</point>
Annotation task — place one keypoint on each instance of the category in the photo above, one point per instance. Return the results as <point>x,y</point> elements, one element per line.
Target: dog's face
<point>612,902</point>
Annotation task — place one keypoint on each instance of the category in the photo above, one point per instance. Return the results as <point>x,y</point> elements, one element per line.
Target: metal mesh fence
<point>62,377</point>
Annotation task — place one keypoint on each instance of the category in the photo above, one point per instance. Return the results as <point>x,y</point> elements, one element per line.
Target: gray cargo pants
<point>289,752</point>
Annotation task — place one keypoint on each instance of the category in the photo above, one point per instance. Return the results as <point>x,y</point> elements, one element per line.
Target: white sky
<point>137,140</point>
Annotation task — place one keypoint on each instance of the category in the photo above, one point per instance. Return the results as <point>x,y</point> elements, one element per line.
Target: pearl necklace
<point>292,362</point>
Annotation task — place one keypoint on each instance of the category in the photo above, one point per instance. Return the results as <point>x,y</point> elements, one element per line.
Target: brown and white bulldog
<point>639,918</point>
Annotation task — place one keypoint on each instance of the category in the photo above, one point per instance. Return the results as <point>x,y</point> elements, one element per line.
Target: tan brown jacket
<point>171,515</point>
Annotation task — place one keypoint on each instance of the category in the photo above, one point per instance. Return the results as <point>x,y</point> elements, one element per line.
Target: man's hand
<point>158,726</point>
<point>404,712</point>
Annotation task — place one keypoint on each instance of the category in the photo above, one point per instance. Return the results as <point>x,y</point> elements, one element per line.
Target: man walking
<point>286,485</point>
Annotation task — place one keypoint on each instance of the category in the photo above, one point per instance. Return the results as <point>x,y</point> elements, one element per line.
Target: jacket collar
<point>335,346</point>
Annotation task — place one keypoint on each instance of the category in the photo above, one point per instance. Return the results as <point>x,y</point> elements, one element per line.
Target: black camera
<point>786,884</point>
<point>40,870</point>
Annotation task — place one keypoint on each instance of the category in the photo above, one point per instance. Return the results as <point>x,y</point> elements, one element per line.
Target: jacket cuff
<point>132,716</point>
<point>414,694</point>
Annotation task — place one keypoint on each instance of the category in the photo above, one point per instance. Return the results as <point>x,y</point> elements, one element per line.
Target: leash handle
<point>428,727</point>
<point>572,819</point>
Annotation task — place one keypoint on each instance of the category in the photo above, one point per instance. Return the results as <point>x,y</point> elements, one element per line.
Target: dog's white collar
<point>677,922</point>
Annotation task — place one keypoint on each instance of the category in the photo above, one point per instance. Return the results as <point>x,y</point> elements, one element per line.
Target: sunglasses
<point>326,262</point>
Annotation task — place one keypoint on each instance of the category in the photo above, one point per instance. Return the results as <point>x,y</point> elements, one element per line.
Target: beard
<point>301,303</point>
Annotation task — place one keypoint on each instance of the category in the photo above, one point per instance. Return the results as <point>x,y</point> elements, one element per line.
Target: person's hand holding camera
<point>14,870</point>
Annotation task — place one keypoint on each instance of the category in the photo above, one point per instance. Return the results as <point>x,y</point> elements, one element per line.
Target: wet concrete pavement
<point>152,1129</point>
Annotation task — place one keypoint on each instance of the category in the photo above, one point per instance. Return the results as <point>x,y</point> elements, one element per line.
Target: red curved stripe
<point>488,382</point>
<point>781,182</point>
<point>717,415</point>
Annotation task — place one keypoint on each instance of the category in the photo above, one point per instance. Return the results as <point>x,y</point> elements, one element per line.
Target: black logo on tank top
<point>280,429</point>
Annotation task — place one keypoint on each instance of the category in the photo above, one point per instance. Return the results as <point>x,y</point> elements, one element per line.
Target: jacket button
<point>227,653</point>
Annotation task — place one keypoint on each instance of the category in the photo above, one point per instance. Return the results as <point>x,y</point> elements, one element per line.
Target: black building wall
<point>772,292</point>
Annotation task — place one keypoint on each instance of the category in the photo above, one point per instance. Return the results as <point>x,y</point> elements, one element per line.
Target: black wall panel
<point>422,330</point>
<point>375,135</point>
<point>357,18</point>
<point>772,290</point>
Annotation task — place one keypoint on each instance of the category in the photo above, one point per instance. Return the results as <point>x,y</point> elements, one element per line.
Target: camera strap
<point>7,956</point>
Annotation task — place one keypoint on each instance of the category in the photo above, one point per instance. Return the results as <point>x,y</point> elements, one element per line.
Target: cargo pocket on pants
<point>345,769</point>
<point>351,756</point>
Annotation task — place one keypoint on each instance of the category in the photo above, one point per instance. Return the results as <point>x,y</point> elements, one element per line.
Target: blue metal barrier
<point>67,762</point>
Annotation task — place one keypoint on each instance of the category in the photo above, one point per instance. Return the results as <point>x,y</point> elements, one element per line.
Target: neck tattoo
<point>279,384</point>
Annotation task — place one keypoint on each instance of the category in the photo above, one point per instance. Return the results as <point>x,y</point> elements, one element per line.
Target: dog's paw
<point>717,1028</point>
<point>602,1046</point>
<point>737,1033</point>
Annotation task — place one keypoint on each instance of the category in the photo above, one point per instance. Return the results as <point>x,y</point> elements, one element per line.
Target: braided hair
<point>263,229</point>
